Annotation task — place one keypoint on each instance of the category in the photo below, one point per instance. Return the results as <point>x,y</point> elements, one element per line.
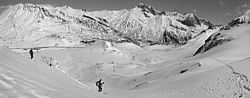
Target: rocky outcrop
<point>240,20</point>
<point>150,9</point>
<point>191,20</point>
<point>221,37</point>
<point>236,22</point>
<point>171,38</point>
<point>213,41</point>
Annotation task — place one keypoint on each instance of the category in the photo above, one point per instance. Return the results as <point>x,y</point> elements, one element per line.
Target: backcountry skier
<point>31,53</point>
<point>99,85</point>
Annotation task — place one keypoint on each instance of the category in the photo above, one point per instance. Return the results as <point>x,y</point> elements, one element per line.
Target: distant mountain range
<point>30,25</point>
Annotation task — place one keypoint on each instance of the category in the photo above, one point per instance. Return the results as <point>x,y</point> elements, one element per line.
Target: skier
<point>99,85</point>
<point>31,53</point>
<point>50,64</point>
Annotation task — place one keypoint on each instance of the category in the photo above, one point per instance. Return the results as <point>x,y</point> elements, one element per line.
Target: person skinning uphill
<point>31,53</point>
<point>99,85</point>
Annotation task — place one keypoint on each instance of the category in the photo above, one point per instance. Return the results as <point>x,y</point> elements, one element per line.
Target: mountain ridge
<point>221,37</point>
<point>140,25</point>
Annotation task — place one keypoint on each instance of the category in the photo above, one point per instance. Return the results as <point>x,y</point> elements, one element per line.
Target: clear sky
<point>216,11</point>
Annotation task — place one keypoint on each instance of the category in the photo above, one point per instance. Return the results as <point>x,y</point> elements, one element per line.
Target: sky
<point>216,11</point>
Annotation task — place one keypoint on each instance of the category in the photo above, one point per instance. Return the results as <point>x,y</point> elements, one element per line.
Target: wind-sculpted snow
<point>29,25</point>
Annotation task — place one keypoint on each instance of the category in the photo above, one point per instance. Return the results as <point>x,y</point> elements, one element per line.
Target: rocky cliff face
<point>222,37</point>
<point>236,22</point>
<point>29,25</point>
<point>213,41</point>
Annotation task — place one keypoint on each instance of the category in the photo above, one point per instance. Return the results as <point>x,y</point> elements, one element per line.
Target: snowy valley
<point>138,53</point>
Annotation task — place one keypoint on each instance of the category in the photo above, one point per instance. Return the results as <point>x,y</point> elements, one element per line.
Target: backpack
<point>98,83</point>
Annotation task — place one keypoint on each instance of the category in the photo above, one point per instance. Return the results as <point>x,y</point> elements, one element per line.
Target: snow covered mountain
<point>146,24</point>
<point>26,25</point>
<point>237,21</point>
<point>227,33</point>
<point>29,25</point>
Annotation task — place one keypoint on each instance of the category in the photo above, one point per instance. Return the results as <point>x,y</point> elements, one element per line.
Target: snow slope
<point>176,78</point>
<point>22,77</point>
<point>146,72</point>
<point>104,44</point>
<point>231,50</point>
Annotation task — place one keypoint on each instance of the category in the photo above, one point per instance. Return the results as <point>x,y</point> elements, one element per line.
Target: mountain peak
<point>240,20</point>
<point>142,5</point>
<point>25,5</point>
<point>29,5</point>
<point>147,8</point>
